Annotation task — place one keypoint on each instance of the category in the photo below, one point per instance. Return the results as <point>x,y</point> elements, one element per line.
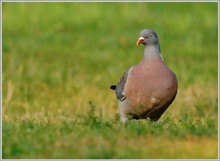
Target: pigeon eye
<point>150,35</point>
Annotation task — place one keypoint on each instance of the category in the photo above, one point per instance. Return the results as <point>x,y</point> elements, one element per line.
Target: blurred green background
<point>57,57</point>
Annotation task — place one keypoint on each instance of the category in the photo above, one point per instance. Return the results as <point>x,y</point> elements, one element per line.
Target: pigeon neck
<point>151,51</point>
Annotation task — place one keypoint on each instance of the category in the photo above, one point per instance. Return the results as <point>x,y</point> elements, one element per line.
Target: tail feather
<point>113,87</point>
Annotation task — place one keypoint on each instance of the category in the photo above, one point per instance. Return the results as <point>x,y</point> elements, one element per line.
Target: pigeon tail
<point>113,87</point>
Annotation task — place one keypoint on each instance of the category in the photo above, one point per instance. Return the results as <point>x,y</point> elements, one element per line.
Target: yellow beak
<point>140,40</point>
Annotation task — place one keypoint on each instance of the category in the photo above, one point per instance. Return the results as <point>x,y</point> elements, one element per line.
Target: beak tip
<point>138,42</point>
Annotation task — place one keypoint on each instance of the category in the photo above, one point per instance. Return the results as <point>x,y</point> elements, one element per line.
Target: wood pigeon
<point>147,89</point>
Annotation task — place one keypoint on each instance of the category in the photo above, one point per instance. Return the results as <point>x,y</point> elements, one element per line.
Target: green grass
<point>59,59</point>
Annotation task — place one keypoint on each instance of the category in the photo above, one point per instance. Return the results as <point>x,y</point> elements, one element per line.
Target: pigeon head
<point>148,37</point>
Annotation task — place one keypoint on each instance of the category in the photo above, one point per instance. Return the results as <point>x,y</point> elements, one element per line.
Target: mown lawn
<point>59,59</point>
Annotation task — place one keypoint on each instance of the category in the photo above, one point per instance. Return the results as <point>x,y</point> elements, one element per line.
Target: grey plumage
<point>119,88</point>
